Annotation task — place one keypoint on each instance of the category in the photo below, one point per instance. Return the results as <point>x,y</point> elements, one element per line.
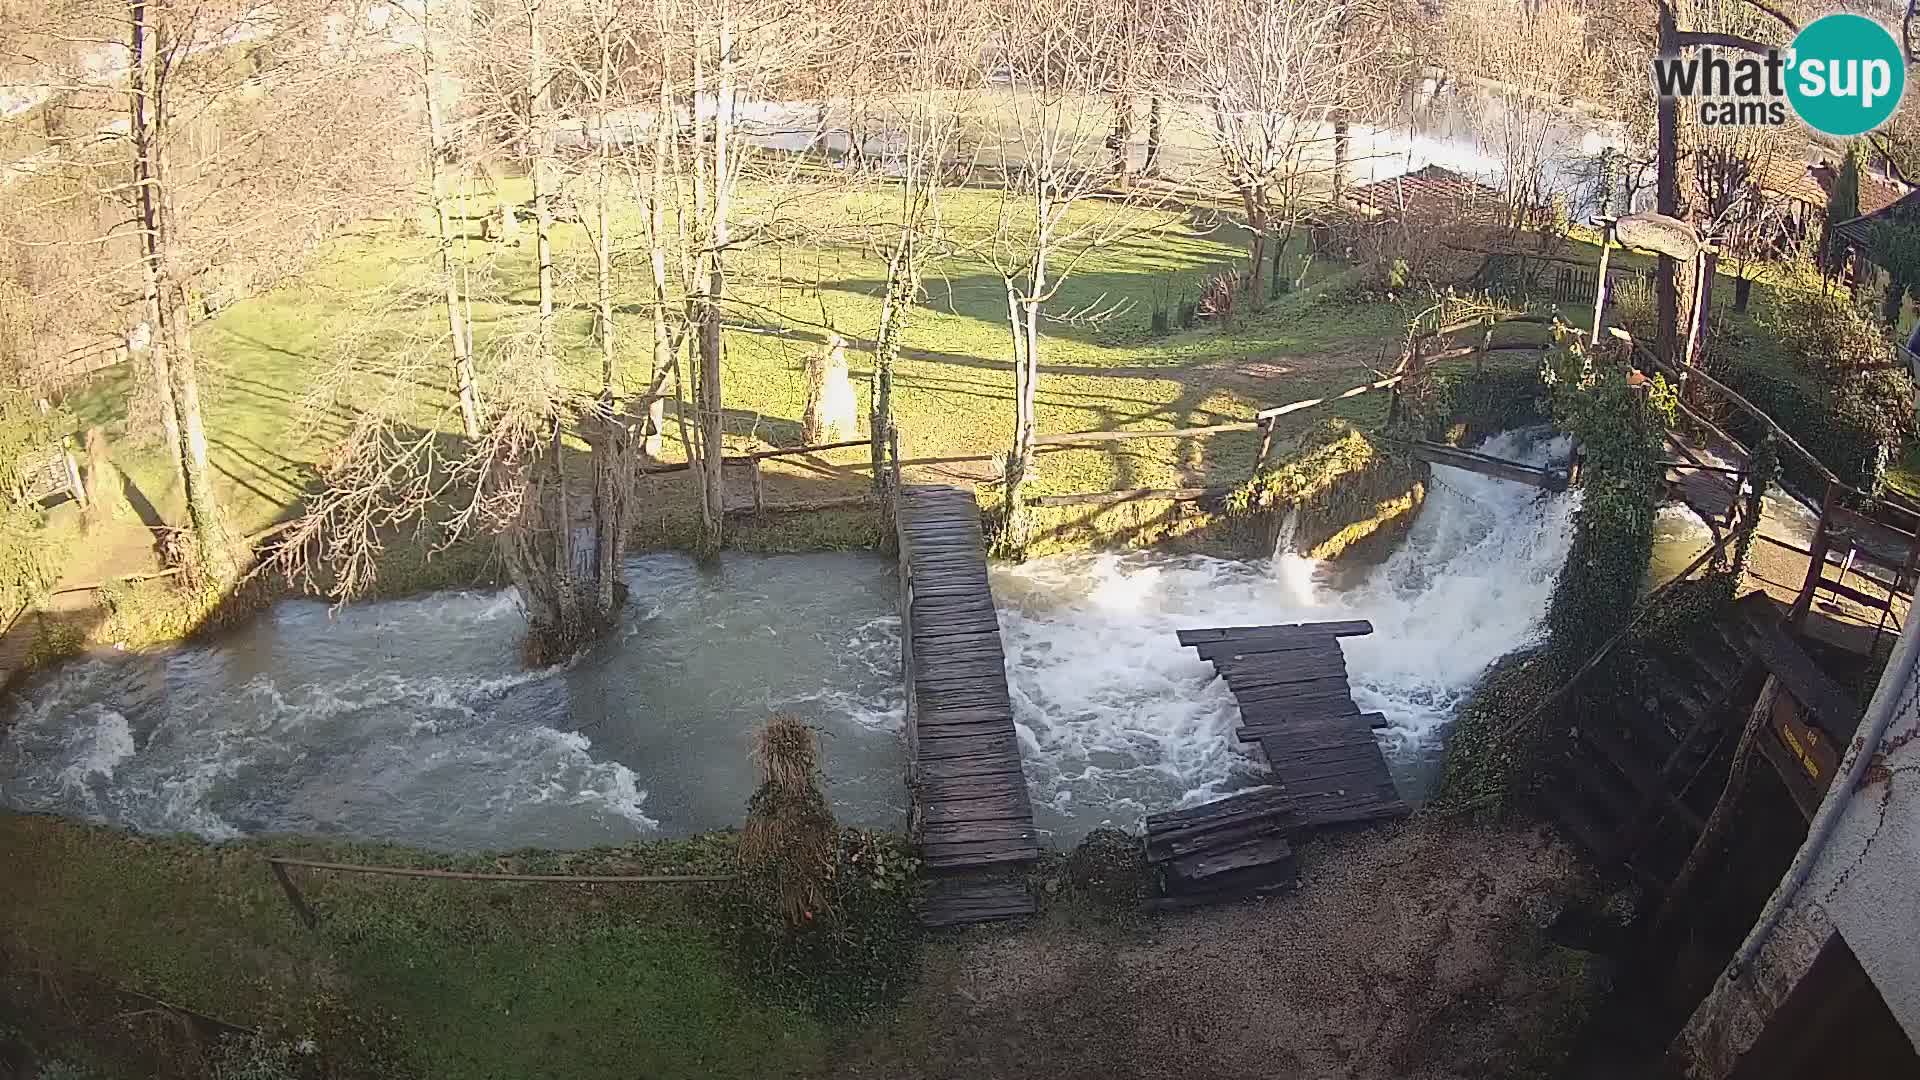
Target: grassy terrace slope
<point>450,980</point>
<point>371,300</point>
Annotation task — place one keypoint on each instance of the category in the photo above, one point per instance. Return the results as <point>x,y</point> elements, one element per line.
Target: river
<point>412,721</point>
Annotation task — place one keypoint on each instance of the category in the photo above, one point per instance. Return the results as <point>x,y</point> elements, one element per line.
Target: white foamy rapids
<point>440,760</point>
<point>1116,718</point>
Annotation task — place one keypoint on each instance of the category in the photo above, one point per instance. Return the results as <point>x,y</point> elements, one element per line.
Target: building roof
<point>1859,231</point>
<point>1875,194</point>
<point>1787,178</point>
<point>1428,189</point>
<point>1811,184</point>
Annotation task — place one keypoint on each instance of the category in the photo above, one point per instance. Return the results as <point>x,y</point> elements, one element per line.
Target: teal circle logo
<point>1845,74</point>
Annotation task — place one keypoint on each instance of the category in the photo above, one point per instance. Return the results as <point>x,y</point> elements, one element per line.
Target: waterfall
<point>1117,719</point>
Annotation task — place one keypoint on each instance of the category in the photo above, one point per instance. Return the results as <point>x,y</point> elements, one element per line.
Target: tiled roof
<point>1430,188</point>
<point>1875,194</point>
<point>1859,231</point>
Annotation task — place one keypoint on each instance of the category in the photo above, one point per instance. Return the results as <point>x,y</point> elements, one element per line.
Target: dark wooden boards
<point>1228,849</point>
<point>953,901</point>
<point>972,816</point>
<point>1488,465</point>
<point>1296,703</point>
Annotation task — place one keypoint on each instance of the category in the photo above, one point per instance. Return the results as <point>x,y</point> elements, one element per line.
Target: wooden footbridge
<point>1296,704</point>
<point>971,814</point>
<point>1328,770</point>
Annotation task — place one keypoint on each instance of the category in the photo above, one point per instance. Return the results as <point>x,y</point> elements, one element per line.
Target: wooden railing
<point>1868,515</point>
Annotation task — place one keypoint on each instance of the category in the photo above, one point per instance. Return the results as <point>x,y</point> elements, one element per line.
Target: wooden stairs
<point>1635,787</point>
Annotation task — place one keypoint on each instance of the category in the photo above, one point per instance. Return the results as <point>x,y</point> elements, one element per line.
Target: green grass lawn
<point>364,321</point>
<point>444,979</point>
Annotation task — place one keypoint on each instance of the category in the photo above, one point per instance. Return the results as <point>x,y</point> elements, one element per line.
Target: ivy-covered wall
<point>1617,419</point>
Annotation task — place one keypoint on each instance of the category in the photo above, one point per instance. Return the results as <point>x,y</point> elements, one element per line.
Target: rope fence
<point>278,865</point>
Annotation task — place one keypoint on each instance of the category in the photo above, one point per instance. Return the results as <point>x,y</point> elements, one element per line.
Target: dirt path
<point>1412,952</point>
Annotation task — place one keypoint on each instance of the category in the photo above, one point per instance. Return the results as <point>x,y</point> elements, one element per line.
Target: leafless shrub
<point>790,841</point>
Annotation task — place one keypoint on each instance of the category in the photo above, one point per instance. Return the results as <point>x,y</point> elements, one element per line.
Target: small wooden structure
<point>971,814</point>
<point>1228,849</point>
<point>1328,771</point>
<point>1291,683</point>
<point>50,473</point>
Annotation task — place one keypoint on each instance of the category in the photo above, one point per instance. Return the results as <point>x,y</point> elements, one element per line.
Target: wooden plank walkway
<point>1487,465</point>
<point>1291,683</point>
<point>971,814</point>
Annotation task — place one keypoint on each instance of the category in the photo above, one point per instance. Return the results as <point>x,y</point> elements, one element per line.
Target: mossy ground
<point>443,979</point>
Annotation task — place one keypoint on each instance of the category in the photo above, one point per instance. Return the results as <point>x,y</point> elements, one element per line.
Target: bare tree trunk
<point>538,106</point>
<point>1342,141</point>
<point>712,506</point>
<point>1120,140</point>
<point>657,261</point>
<point>215,557</point>
<point>901,287</point>
<point>1257,222</point>
<point>438,153</point>
<point>145,73</point>
<point>1152,165</point>
<point>603,234</point>
<point>1666,294</point>
<point>1023,315</point>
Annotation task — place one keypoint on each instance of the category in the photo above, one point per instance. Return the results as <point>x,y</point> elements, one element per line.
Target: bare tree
<point>1277,81</point>
<point>213,105</point>
<point>440,153</point>
<point>1535,62</point>
<point>1731,165</point>
<point>1060,61</point>
<point>929,52</point>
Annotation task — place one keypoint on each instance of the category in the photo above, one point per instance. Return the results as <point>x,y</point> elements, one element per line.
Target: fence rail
<point>278,865</point>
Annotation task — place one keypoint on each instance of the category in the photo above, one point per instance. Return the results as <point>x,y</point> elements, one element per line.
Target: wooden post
<point>1702,299</point>
<point>1816,566</point>
<point>1486,343</point>
<point>759,488</point>
<point>1715,829</point>
<point>299,902</point>
<point>893,452</point>
<point>1600,290</point>
<point>73,475</point>
<point>1266,442</point>
<point>1666,184</point>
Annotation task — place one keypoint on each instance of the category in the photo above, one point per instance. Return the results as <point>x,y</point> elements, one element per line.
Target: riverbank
<point>1426,949</point>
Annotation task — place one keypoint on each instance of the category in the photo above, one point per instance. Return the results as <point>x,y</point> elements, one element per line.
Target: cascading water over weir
<point>409,721</point>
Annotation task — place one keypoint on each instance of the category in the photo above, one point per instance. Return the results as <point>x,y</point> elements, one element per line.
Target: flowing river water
<point>412,720</point>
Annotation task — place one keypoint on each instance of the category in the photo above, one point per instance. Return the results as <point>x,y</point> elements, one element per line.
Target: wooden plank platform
<point>1228,849</point>
<point>1295,702</point>
<point>972,816</point>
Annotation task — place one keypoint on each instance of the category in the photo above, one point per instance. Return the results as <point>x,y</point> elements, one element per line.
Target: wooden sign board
<point>1661,233</point>
<point>1804,755</point>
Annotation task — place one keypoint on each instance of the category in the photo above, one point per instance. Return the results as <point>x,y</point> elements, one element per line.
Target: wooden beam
<point>1488,466</point>
<point>1722,816</point>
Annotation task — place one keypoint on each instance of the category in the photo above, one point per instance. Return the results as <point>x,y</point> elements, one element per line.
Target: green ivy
<point>848,966</point>
<point>1620,428</point>
<point>1619,424</point>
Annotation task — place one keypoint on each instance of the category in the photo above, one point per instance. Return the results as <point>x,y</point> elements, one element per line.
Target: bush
<point>845,967</point>
<point>790,842</point>
<point>1621,429</point>
<point>1829,377</point>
